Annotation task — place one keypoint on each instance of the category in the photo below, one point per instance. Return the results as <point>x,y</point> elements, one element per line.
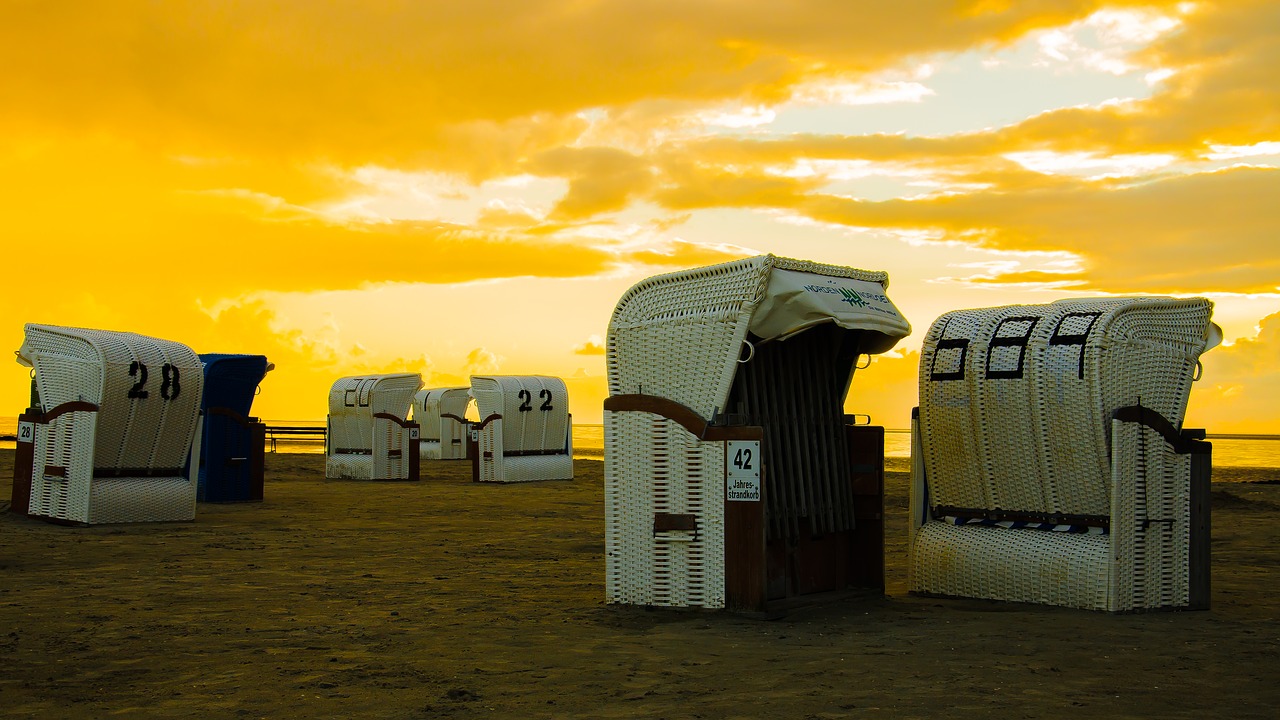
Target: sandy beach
<point>444,598</point>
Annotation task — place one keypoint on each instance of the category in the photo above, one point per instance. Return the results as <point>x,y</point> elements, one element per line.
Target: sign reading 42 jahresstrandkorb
<point>742,470</point>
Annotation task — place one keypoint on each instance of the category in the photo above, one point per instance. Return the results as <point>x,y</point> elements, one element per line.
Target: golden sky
<point>450,187</point>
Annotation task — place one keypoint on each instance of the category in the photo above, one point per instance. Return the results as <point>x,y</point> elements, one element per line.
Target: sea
<point>1240,451</point>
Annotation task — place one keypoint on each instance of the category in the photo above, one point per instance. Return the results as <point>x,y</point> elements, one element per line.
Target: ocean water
<point>1258,451</point>
<point>1251,451</point>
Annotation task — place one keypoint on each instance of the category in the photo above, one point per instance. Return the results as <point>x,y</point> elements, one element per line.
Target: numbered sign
<point>26,432</point>
<point>742,470</point>
<point>414,433</point>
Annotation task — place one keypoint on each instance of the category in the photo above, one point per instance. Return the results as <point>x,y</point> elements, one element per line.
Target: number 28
<point>169,389</point>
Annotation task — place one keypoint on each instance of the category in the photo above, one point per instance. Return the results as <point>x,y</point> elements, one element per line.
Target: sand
<point>443,598</point>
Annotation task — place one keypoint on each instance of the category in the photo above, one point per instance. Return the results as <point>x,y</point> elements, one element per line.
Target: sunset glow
<point>455,188</point>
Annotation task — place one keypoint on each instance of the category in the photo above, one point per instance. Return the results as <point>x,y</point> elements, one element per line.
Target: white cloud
<point>742,117</point>
<point>871,92</point>
<point>390,195</point>
<point>1231,152</point>
<point>1090,164</point>
<point>1105,41</point>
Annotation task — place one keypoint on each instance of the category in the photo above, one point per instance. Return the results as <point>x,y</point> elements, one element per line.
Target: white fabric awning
<point>796,301</point>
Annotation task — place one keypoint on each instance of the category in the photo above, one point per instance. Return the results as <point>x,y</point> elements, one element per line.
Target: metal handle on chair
<point>675,522</point>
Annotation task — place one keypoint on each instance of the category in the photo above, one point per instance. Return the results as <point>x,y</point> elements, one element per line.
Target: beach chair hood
<point>680,335</point>
<point>231,380</point>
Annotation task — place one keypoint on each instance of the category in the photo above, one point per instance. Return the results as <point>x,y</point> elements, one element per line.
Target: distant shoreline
<point>1235,436</point>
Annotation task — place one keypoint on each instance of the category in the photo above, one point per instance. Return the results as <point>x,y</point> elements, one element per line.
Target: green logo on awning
<point>853,298</point>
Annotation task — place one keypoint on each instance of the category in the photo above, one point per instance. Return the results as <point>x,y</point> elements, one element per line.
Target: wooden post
<point>24,460</point>
<point>866,456</point>
<point>1198,559</point>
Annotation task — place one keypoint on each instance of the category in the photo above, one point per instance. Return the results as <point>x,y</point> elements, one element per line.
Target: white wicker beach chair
<point>368,437</point>
<point>1049,461</point>
<point>525,432</point>
<point>114,426</point>
<point>441,412</point>
<point>732,475</point>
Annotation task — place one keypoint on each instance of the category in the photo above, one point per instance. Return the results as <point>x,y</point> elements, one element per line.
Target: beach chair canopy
<point>147,390</point>
<point>680,336</point>
<point>231,380</point>
<point>118,405</point>
<point>1031,414</point>
<point>353,402</point>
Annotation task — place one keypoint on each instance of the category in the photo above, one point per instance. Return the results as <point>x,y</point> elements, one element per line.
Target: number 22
<point>526,400</point>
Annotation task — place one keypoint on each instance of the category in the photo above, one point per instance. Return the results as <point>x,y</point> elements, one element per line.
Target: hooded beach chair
<point>441,413</point>
<point>227,456</point>
<point>525,432</point>
<point>1049,460</point>
<point>111,433</point>
<point>733,477</point>
<point>368,437</point>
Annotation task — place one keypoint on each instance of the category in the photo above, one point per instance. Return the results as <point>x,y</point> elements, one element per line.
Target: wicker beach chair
<point>441,412</point>
<point>733,477</point>
<point>525,432</point>
<point>227,456</point>
<point>368,437</point>
<point>1049,461</point>
<point>113,428</point>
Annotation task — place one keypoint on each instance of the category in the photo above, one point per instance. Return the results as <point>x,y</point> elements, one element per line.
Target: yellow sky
<point>452,187</point>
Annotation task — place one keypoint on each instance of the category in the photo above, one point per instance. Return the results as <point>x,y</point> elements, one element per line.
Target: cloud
<point>1182,234</point>
<point>442,83</point>
<point>1240,383</point>
<point>594,345</point>
<point>601,180</point>
<point>482,362</point>
<point>1221,90</point>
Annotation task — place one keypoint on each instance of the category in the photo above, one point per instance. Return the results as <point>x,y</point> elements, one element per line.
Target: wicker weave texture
<point>62,443</point>
<point>679,335</point>
<point>148,395</point>
<point>1024,565</point>
<point>529,436</point>
<point>1016,408</point>
<point>1141,565</point>
<point>361,446</point>
<point>654,465</point>
<point>1151,520</point>
<point>443,438</point>
<point>1015,401</point>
